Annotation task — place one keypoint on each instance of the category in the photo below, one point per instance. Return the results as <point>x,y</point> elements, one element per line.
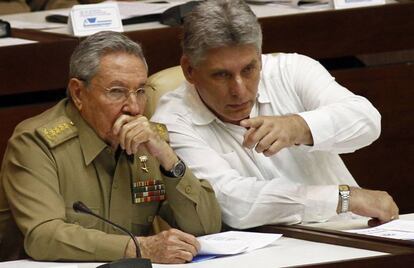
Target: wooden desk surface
<point>299,247</point>
<point>401,252</point>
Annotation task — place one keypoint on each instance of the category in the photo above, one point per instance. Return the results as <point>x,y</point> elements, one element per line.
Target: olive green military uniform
<point>55,159</point>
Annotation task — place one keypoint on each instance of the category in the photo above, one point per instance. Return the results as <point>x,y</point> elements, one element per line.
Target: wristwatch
<point>344,193</point>
<point>177,171</point>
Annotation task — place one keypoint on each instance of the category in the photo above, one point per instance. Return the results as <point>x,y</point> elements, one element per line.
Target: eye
<point>117,91</point>
<point>221,75</point>
<point>141,90</point>
<point>249,69</point>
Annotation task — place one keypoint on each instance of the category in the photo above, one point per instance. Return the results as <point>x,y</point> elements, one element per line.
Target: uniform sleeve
<point>32,187</point>
<point>340,121</point>
<point>194,204</point>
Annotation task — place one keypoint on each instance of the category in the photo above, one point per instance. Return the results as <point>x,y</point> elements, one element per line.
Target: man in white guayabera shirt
<point>266,130</point>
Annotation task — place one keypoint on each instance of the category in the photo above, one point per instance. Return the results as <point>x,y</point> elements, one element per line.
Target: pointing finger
<point>252,122</point>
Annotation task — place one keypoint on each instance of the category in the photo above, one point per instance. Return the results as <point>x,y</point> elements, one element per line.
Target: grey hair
<point>218,23</point>
<point>85,60</point>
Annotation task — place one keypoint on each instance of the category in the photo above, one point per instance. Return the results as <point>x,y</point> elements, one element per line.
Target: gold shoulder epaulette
<point>57,131</point>
<point>162,130</point>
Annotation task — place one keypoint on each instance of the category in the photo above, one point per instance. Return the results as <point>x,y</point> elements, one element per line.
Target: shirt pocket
<point>82,219</point>
<point>141,221</point>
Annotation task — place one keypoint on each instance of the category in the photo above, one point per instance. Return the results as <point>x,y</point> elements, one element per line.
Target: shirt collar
<point>262,95</point>
<point>201,114</point>
<point>91,144</point>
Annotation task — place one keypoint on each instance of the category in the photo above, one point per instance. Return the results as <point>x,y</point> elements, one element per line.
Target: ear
<point>187,68</point>
<point>75,88</point>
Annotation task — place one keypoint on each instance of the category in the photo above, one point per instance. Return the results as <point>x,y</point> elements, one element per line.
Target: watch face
<point>343,188</point>
<point>179,169</point>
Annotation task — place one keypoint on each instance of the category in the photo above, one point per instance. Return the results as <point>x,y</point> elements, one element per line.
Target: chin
<point>235,120</point>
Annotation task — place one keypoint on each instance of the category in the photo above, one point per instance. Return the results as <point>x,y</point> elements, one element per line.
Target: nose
<point>133,105</point>
<point>237,86</point>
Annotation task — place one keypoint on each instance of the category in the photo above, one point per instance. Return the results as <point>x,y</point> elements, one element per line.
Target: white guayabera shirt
<point>298,184</point>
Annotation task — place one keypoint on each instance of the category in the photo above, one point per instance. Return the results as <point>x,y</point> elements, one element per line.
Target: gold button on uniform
<point>188,189</point>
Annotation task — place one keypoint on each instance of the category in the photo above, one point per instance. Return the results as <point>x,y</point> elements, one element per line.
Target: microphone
<point>138,262</point>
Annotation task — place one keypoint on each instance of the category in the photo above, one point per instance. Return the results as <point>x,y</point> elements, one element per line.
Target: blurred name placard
<point>88,19</point>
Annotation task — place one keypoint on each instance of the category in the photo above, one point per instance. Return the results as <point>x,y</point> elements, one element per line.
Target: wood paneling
<point>387,164</point>
<point>11,116</point>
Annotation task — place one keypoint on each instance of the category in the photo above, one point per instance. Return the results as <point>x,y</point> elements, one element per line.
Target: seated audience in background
<point>19,6</point>
<point>37,5</point>
<point>267,130</point>
<point>13,6</point>
<point>96,146</point>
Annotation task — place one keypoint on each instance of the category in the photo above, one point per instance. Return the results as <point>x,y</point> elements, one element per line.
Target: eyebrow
<point>252,62</point>
<point>120,83</point>
<point>219,69</point>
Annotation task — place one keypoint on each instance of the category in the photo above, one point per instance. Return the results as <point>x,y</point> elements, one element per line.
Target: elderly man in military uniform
<point>97,147</point>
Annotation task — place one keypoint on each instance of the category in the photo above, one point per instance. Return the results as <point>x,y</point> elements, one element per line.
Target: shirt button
<point>188,189</point>
<point>115,185</point>
<point>150,218</point>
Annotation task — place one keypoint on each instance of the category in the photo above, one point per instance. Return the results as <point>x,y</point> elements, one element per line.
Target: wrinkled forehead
<point>118,66</point>
<point>230,56</point>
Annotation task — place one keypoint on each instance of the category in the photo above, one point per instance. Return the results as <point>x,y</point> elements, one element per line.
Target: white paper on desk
<point>397,229</point>
<point>62,12</point>
<point>234,242</point>
<point>34,25</point>
<point>12,41</point>
<point>132,9</point>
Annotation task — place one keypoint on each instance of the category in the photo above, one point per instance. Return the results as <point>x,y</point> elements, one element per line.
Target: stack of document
<point>232,242</point>
<point>397,229</point>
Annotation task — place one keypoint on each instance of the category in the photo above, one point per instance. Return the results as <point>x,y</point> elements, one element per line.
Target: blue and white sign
<point>88,19</point>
